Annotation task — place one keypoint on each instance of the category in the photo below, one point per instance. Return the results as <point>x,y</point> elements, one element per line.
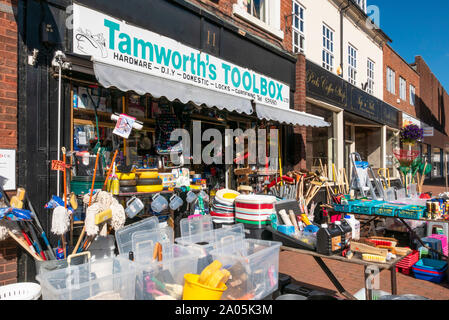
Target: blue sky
<point>418,28</point>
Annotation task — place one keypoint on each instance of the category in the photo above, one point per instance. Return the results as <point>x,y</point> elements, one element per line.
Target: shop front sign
<point>112,41</point>
<point>428,131</point>
<point>407,120</point>
<point>324,85</point>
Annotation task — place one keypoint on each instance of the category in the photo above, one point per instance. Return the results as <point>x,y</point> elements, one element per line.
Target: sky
<point>418,27</point>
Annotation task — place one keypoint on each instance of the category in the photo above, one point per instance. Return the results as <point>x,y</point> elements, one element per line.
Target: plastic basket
<point>430,270</point>
<point>20,291</point>
<point>365,207</point>
<point>411,212</point>
<point>409,260</point>
<point>387,209</point>
<point>347,208</point>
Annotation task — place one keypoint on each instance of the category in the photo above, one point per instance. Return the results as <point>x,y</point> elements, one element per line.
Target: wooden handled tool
<point>110,169</point>
<point>364,248</point>
<point>65,199</point>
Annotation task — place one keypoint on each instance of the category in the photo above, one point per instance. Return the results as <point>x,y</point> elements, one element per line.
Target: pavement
<point>303,269</point>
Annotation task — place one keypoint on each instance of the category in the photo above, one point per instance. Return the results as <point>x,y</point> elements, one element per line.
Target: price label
<point>59,165</point>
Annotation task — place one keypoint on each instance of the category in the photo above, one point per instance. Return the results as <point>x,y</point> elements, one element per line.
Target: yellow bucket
<point>196,291</point>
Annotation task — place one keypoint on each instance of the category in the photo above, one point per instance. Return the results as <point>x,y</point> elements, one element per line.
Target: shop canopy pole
<point>58,62</point>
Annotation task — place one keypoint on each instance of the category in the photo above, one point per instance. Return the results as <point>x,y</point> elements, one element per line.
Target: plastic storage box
<point>208,240</point>
<point>163,280</point>
<point>345,207</point>
<point>144,241</point>
<point>105,279</point>
<point>195,225</point>
<point>387,209</point>
<point>430,270</point>
<point>435,244</point>
<point>123,236</point>
<point>254,266</point>
<point>365,207</point>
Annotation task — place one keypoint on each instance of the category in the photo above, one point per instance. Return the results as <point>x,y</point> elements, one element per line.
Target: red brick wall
<point>300,105</point>
<point>8,117</point>
<point>404,70</point>
<point>223,9</point>
<point>434,98</point>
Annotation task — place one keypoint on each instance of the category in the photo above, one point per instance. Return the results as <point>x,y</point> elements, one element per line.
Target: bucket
<point>196,291</point>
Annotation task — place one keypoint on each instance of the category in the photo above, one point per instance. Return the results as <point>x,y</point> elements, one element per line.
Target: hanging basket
<point>405,157</point>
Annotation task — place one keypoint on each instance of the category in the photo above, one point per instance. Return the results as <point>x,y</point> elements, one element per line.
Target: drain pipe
<point>58,62</point>
<point>342,12</point>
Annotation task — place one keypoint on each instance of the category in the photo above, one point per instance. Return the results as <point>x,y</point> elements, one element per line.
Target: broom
<point>61,217</point>
<point>90,201</point>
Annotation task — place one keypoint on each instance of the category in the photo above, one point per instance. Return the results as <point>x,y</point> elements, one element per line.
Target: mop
<point>61,216</point>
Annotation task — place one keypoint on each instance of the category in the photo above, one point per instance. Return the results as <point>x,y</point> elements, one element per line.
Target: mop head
<point>60,221</point>
<point>118,215</point>
<point>91,228</point>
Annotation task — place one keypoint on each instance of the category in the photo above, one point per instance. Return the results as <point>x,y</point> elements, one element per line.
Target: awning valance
<point>142,83</point>
<point>289,116</point>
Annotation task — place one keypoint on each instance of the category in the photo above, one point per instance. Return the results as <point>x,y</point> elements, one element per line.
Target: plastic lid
<point>324,225</point>
<point>195,225</point>
<point>347,217</point>
<point>337,223</point>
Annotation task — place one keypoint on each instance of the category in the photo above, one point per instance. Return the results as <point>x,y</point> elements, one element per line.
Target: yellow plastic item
<point>152,188</point>
<point>115,186</point>
<point>193,290</point>
<point>103,216</point>
<point>305,219</point>
<point>126,176</point>
<point>73,201</point>
<point>194,187</point>
<point>373,258</point>
<point>220,276</point>
<point>148,174</point>
<point>20,193</point>
<point>209,271</point>
<point>16,203</point>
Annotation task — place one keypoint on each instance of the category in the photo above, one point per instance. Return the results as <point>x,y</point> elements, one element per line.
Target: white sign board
<point>8,168</point>
<point>112,41</point>
<point>428,131</point>
<point>407,120</point>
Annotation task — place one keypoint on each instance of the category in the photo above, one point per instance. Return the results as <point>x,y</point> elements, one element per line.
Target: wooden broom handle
<point>23,245</point>
<point>90,201</point>
<point>110,169</point>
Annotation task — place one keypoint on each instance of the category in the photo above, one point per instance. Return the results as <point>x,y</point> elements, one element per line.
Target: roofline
<point>408,64</point>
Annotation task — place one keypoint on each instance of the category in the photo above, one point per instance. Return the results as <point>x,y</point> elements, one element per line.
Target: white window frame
<point>328,48</point>
<point>391,80</point>
<point>362,4</point>
<point>370,65</point>
<point>402,89</point>
<point>272,23</point>
<point>352,64</point>
<point>412,95</point>
<point>298,30</point>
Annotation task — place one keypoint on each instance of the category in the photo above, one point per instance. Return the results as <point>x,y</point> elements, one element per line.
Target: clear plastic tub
<point>164,280</point>
<point>144,241</point>
<point>254,266</point>
<point>124,235</point>
<point>195,224</point>
<point>211,239</point>
<point>105,279</point>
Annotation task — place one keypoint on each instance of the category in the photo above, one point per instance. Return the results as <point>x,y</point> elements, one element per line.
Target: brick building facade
<point>8,117</point>
<point>402,69</point>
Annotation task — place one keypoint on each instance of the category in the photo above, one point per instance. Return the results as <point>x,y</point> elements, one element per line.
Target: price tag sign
<point>58,165</point>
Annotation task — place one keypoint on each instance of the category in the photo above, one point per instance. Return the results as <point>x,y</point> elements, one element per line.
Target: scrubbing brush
<point>373,258</point>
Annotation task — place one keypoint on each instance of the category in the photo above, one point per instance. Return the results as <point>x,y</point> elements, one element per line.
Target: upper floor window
<point>362,4</point>
<point>402,89</point>
<point>298,27</point>
<point>265,14</point>
<point>391,76</point>
<point>257,8</point>
<point>370,74</point>
<point>412,95</point>
<point>352,65</point>
<point>328,48</point>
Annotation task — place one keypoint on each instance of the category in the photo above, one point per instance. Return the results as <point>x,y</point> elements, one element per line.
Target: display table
<point>356,259</point>
<point>412,232</point>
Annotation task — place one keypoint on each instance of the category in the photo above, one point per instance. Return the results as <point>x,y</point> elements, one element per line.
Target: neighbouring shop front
<point>359,123</point>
